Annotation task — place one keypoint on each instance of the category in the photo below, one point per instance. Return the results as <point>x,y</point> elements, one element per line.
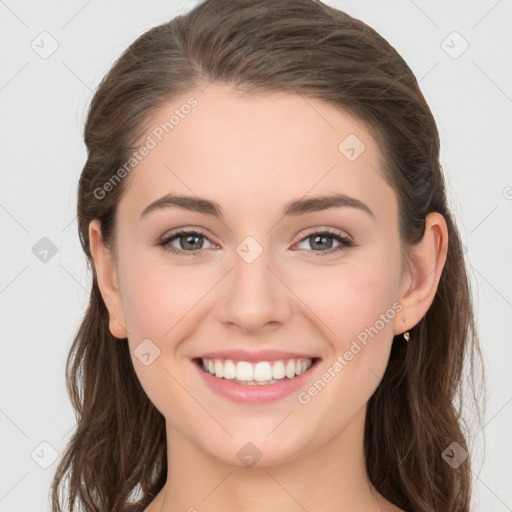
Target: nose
<point>254,297</point>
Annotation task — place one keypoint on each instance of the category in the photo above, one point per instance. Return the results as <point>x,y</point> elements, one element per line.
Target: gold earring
<point>406,336</point>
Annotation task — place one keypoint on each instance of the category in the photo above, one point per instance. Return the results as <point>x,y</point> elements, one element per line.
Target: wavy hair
<point>116,459</point>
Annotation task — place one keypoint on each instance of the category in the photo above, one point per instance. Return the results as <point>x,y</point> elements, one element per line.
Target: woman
<point>280,310</point>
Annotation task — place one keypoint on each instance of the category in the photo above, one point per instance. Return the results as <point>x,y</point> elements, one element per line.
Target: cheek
<point>356,305</point>
<point>156,301</point>
<point>156,295</point>
<point>148,305</point>
<point>346,299</point>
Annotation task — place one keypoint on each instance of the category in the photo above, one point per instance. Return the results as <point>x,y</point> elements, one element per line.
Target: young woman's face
<point>258,280</point>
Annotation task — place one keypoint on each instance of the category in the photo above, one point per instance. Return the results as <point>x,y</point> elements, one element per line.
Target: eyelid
<point>166,239</point>
<point>324,229</point>
<point>184,230</point>
<point>345,241</point>
<point>303,234</point>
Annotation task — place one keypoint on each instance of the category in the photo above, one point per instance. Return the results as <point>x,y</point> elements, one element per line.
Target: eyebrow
<point>293,208</point>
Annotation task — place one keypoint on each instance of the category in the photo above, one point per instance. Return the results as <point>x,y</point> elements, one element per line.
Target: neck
<point>331,478</point>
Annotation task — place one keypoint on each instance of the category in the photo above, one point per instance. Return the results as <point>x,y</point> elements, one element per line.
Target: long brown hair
<point>118,451</point>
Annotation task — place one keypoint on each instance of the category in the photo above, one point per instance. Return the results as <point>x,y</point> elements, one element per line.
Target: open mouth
<point>258,373</point>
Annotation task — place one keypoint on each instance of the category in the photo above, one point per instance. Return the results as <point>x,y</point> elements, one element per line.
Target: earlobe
<point>427,260</point>
<point>106,275</point>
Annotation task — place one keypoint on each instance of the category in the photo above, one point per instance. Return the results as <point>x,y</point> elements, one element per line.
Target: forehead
<point>251,151</point>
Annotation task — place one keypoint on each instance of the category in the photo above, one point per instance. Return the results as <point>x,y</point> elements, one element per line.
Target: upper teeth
<point>262,371</point>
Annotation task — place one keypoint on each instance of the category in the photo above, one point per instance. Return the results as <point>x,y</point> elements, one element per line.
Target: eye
<point>190,242</point>
<point>319,241</point>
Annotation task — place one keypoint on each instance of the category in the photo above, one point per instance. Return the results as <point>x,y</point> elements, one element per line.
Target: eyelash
<point>345,243</point>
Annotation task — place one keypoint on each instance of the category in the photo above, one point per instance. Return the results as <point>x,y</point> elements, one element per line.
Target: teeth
<point>219,369</point>
<point>229,370</point>
<point>260,373</point>
<point>290,369</point>
<point>278,370</point>
<point>244,370</point>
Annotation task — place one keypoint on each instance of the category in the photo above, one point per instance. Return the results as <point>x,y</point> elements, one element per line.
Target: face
<point>255,280</point>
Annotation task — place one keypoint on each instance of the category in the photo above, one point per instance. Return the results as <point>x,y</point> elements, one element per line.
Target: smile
<point>259,373</point>
<point>255,382</point>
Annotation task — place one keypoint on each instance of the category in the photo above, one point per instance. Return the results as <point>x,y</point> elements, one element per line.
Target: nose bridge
<point>253,296</point>
<point>251,280</point>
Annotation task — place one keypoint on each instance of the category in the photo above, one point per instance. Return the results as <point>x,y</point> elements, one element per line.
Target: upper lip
<point>261,355</point>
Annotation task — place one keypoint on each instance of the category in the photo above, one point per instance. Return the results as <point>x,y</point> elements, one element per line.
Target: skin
<point>252,155</point>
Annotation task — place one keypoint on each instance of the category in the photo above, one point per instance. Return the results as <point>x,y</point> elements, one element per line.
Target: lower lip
<point>255,394</point>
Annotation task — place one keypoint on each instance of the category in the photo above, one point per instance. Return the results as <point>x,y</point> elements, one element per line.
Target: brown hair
<point>303,47</point>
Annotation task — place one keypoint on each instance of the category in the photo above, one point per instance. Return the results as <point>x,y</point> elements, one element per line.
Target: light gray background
<point>43,104</point>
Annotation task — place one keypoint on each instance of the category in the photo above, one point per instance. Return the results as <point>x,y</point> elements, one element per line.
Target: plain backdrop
<point>43,100</point>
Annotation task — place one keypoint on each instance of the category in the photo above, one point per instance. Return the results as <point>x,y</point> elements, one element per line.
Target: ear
<point>108,281</point>
<point>423,272</point>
